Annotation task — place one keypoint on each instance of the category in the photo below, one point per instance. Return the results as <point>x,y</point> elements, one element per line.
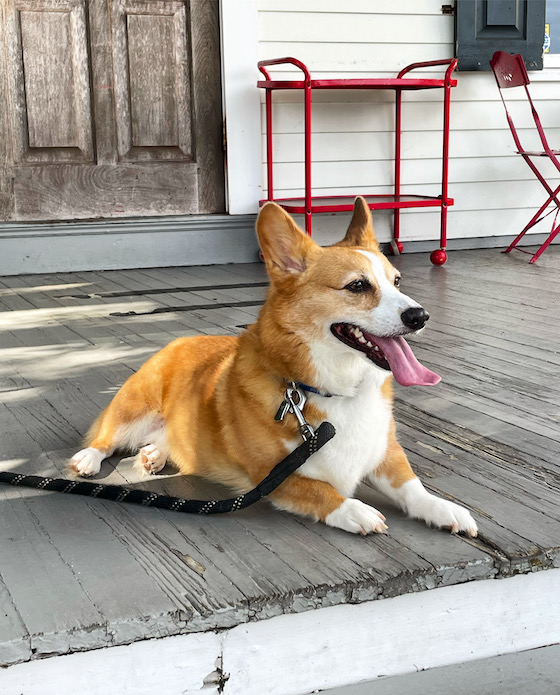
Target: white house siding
<point>495,193</point>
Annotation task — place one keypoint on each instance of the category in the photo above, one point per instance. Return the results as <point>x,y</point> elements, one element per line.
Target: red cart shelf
<point>308,204</point>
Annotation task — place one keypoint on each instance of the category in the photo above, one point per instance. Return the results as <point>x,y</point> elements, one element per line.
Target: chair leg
<point>546,244</point>
<point>533,221</point>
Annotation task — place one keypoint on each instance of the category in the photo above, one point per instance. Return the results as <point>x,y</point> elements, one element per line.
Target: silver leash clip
<point>294,402</point>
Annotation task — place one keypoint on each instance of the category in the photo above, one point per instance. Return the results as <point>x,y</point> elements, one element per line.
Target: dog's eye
<point>398,281</point>
<point>358,286</point>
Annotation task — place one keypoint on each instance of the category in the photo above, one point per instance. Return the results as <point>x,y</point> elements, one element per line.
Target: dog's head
<point>342,301</point>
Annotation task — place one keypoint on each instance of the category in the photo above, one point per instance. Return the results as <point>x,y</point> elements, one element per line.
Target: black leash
<point>117,493</point>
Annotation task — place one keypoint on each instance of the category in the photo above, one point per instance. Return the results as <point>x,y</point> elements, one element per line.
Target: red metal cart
<point>310,204</point>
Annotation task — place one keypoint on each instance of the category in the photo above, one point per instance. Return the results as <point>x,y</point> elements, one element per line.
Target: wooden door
<point>114,109</point>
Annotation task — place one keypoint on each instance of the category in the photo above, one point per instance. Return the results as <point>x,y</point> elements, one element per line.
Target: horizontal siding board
<point>288,176</point>
<point>356,57</point>
<point>365,146</point>
<point>423,225</point>
<point>482,87</point>
<point>282,72</point>
<point>470,88</point>
<point>379,29</point>
<point>417,7</point>
<point>488,195</point>
<point>416,116</point>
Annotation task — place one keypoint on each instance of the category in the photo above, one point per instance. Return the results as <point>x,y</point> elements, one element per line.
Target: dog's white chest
<point>360,444</point>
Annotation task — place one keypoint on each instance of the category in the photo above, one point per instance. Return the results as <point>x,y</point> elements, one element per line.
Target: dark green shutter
<point>485,26</point>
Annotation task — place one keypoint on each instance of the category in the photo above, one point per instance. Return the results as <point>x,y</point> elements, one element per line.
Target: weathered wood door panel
<point>152,81</point>
<point>49,81</point>
<point>106,118</point>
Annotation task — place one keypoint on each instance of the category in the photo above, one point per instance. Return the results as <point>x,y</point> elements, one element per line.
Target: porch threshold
<point>97,595</point>
<point>371,642</point>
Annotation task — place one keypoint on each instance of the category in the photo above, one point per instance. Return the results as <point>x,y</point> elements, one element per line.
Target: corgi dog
<point>334,323</point>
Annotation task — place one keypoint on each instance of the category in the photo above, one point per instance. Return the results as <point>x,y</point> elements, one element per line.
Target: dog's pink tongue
<point>404,365</point>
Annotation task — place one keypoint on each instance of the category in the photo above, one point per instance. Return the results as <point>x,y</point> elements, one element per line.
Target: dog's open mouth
<point>393,354</point>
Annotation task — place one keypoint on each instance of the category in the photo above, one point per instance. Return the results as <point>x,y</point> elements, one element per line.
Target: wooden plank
<point>498,360</point>
<point>103,92</point>
<point>61,75</point>
<point>16,441</point>
<point>152,81</point>
<point>465,312</point>
<point>540,413</point>
<point>39,419</point>
<point>452,558</point>
<point>365,116</point>
<point>378,565</point>
<point>178,597</point>
<point>483,431</point>
<point>456,409</point>
<point>161,327</point>
<point>522,604</point>
<point>152,101</point>
<point>64,192</point>
<point>335,572</point>
<point>46,127</point>
<point>14,638</point>
<point>224,541</point>
<point>495,413</point>
<point>348,27</point>
<point>497,340</point>
<point>6,201</point>
<point>515,525</point>
<point>377,178</point>
<point>30,563</point>
<point>485,462</point>
<point>357,7</point>
<point>357,58</point>
<point>208,133</point>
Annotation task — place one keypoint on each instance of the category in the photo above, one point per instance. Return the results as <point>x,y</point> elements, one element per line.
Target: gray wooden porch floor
<point>79,574</point>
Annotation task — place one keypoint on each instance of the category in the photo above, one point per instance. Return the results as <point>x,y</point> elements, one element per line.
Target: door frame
<point>241,105</point>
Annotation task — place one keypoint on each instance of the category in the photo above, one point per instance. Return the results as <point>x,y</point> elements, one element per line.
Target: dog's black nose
<point>415,318</point>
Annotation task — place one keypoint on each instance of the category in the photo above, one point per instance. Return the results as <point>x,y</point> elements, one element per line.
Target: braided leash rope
<point>117,493</point>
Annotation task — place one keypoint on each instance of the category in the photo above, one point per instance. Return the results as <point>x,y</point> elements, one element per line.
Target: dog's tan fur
<point>216,397</point>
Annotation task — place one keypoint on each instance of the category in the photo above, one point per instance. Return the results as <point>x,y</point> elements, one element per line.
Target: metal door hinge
<point>448,9</point>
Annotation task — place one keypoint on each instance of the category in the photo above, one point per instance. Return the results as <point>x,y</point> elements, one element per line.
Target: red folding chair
<point>509,71</point>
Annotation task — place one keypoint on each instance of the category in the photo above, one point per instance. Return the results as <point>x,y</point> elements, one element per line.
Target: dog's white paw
<point>445,514</point>
<point>357,517</point>
<point>151,459</point>
<point>87,462</point>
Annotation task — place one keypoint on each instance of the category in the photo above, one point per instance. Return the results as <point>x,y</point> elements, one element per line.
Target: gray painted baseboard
<point>132,243</point>
<point>155,243</point>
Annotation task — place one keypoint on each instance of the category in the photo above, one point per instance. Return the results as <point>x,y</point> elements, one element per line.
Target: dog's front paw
<point>150,459</point>
<point>87,462</point>
<point>357,517</point>
<point>445,514</point>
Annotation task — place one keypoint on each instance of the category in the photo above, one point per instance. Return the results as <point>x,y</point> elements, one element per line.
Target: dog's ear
<point>360,232</point>
<point>286,249</point>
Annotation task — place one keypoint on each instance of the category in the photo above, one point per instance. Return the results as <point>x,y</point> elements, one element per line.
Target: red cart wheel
<point>438,257</point>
